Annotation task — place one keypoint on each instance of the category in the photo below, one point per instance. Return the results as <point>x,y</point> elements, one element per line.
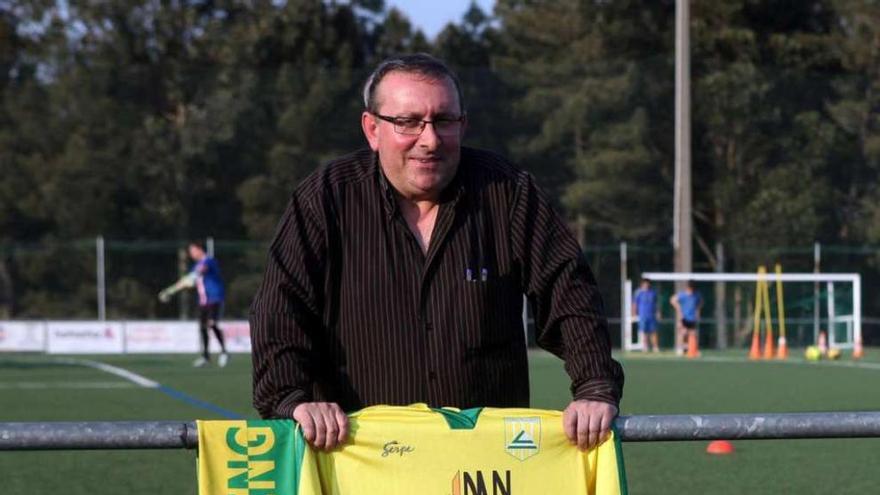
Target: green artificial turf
<point>668,385</point>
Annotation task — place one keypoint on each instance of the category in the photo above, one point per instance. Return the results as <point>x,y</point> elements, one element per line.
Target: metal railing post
<point>100,274</point>
<point>114,435</point>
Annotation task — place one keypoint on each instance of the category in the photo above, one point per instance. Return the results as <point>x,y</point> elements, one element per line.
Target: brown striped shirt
<point>351,310</point>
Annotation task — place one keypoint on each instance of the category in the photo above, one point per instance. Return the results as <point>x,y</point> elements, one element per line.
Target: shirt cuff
<point>285,408</point>
<point>602,390</point>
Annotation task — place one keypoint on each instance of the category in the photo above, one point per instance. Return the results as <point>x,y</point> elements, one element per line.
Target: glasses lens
<point>414,127</point>
<point>408,126</point>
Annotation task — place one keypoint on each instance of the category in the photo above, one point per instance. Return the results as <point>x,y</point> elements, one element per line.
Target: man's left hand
<point>587,423</point>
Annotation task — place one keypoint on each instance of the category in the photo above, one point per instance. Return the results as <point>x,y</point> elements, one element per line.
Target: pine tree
<point>762,143</point>
<point>585,69</point>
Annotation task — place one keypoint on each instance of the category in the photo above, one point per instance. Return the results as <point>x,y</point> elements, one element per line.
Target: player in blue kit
<point>205,277</point>
<point>687,304</point>
<point>209,286</point>
<point>646,309</point>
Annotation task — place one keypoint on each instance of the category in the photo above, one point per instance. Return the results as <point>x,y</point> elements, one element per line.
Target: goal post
<point>844,326</point>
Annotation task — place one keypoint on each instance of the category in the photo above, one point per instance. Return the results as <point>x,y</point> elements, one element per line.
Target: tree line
<point>142,120</point>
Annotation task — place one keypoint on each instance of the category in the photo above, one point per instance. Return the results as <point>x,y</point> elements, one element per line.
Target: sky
<point>431,15</point>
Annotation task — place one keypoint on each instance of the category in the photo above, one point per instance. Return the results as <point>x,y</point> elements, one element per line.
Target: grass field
<point>39,388</point>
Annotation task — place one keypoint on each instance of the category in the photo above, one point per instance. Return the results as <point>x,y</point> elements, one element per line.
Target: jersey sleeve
<point>255,456</point>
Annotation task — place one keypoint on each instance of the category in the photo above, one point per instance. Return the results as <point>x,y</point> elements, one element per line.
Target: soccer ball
<point>812,353</point>
<point>833,354</point>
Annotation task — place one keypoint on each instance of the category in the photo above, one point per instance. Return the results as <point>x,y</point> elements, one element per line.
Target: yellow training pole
<point>782,351</point>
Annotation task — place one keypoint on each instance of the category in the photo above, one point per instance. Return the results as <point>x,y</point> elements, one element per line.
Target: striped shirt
<point>351,310</point>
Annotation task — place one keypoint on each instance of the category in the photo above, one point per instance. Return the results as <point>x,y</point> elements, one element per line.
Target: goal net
<point>811,303</point>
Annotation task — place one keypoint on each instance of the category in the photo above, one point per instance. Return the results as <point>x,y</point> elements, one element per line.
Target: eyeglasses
<point>413,127</point>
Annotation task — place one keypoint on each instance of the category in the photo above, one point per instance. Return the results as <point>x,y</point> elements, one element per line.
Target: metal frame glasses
<point>412,126</point>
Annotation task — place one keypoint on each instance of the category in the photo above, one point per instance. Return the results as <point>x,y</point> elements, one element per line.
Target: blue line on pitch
<point>176,394</point>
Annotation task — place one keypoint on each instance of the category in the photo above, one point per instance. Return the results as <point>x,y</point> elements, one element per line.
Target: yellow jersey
<point>410,450</point>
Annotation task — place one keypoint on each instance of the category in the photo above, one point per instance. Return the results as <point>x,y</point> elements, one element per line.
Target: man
<point>648,312</point>
<point>397,272</point>
<point>205,277</point>
<point>209,286</point>
<point>687,303</point>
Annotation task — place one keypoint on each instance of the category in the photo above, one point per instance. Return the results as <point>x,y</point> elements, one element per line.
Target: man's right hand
<point>324,425</point>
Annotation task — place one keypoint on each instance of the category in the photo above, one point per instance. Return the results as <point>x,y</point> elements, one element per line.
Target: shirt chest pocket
<point>490,315</point>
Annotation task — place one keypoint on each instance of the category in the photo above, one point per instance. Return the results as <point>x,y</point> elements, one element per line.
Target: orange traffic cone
<point>782,349</point>
<point>693,346</point>
<point>857,352</point>
<point>755,353</point>
<point>768,345</point>
<point>720,447</point>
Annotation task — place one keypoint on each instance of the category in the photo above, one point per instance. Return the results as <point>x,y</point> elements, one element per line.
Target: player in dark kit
<point>205,277</point>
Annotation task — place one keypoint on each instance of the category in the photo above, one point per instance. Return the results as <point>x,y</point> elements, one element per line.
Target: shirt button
<point>432,375</point>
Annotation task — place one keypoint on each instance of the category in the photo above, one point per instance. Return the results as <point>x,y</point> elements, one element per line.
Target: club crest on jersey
<point>522,437</point>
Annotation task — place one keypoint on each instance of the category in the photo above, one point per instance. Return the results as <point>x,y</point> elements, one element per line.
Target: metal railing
<point>109,435</point>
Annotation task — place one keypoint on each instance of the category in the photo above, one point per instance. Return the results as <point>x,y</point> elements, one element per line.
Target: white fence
<point>117,337</point>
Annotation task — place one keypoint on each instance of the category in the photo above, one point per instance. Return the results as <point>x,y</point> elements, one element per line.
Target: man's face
<point>419,167</point>
<point>196,253</point>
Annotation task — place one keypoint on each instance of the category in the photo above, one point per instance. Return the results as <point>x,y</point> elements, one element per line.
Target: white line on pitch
<point>62,385</point>
<point>841,364</point>
<point>741,360</point>
<point>113,370</point>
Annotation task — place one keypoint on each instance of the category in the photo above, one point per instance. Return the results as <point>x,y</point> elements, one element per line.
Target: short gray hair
<point>417,63</point>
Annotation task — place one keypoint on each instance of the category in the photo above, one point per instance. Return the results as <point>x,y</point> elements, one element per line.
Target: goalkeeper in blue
<point>205,277</point>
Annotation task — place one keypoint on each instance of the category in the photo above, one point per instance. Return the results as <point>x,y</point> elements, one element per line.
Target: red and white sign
<point>85,337</point>
<point>117,337</point>
<point>162,337</point>
<point>22,336</point>
<point>236,333</point>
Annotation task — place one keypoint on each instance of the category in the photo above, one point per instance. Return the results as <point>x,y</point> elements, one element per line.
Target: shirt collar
<point>385,189</point>
<point>452,194</point>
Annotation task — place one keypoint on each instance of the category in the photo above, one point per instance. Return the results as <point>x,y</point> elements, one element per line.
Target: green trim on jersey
<point>465,419</point>
<point>621,469</point>
<point>299,451</point>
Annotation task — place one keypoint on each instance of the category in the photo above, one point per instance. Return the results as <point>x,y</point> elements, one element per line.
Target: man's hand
<point>587,423</point>
<point>324,424</point>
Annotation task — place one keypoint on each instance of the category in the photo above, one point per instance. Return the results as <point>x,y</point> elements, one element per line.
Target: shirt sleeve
<point>569,314</point>
<point>286,315</point>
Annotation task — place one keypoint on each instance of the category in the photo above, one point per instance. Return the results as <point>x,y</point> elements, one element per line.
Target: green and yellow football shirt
<point>410,450</point>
